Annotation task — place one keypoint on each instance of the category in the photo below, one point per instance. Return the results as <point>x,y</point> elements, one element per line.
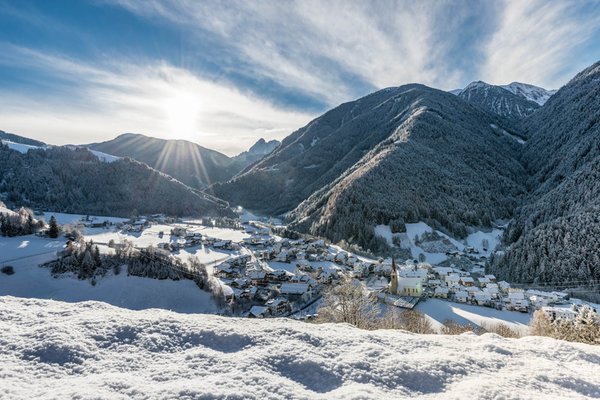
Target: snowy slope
<point>24,148</point>
<point>92,350</point>
<point>529,92</point>
<point>104,157</point>
<point>475,240</point>
<point>20,147</point>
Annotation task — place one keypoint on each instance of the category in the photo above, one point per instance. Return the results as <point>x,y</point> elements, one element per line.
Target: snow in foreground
<point>61,350</point>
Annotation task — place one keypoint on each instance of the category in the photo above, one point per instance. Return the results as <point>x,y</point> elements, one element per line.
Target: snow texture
<point>93,350</point>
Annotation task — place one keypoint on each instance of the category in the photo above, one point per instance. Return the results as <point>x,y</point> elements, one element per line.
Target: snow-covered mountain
<point>555,232</point>
<point>258,151</point>
<point>90,349</point>
<point>383,158</point>
<point>73,179</point>
<point>186,161</point>
<point>498,100</point>
<point>530,92</point>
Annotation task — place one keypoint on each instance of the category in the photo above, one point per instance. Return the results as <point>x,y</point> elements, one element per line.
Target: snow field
<point>59,350</point>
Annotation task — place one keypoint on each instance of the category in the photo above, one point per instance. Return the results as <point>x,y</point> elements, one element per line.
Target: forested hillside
<point>74,180</point>
<point>445,162</point>
<point>555,232</point>
<point>319,153</point>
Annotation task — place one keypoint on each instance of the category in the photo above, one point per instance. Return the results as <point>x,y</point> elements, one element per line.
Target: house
<point>298,291</point>
<point>259,312</point>
<point>453,281</point>
<point>516,301</point>
<point>248,293</point>
<point>492,278</point>
<point>483,298</point>
<point>341,257</point>
<point>493,290</point>
<point>279,275</point>
<point>559,313</point>
<point>258,277</point>
<point>279,305</point>
<point>283,256</point>
<point>304,265</point>
<point>504,286</point>
<point>225,270</point>
<point>483,282</point>
<point>222,244</point>
<point>461,296</point>
<point>467,281</point>
<point>441,292</point>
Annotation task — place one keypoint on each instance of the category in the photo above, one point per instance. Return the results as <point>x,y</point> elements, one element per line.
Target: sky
<point>225,73</point>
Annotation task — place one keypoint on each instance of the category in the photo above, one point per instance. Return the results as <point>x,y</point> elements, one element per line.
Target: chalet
<point>493,290</point>
<point>327,276</point>
<point>278,306</point>
<point>461,296</point>
<point>492,278</point>
<point>441,292</point>
<point>304,265</point>
<point>434,283</point>
<point>443,271</point>
<point>259,312</point>
<point>239,261</point>
<point>279,275</point>
<point>258,277</point>
<point>559,313</point>
<point>248,293</point>
<point>467,281</point>
<point>504,286</point>
<point>483,299</point>
<point>516,301</point>
<point>283,256</point>
<point>222,244</point>
<point>341,257</point>
<point>225,270</point>
<point>301,291</point>
<point>240,283</point>
<point>483,281</point>
<point>453,281</point>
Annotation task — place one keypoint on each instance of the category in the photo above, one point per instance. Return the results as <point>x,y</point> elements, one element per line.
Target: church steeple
<point>394,278</point>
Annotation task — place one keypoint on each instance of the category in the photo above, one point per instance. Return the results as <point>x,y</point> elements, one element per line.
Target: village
<point>263,274</point>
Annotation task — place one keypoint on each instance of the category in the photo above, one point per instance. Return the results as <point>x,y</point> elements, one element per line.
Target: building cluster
<point>424,280</point>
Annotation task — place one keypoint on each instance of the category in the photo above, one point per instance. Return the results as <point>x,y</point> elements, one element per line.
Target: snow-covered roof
<point>294,288</point>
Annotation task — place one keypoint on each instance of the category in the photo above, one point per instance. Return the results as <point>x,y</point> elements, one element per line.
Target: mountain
<point>555,235</point>
<point>75,180</point>
<point>187,162</point>
<point>258,150</point>
<point>399,154</point>
<point>529,92</point>
<point>498,100</point>
<point>11,137</point>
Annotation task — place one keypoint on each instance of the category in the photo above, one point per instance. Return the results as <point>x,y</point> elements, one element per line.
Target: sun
<point>182,113</point>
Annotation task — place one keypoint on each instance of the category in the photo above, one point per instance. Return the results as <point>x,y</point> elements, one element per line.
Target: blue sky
<point>225,73</point>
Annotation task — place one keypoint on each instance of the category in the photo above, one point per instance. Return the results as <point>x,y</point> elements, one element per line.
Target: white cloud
<point>537,42</point>
<point>120,97</point>
<point>317,47</point>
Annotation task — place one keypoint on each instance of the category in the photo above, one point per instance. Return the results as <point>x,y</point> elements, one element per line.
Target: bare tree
<point>349,303</point>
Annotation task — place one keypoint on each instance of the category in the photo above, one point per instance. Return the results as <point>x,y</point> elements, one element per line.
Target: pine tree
<point>53,230</point>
